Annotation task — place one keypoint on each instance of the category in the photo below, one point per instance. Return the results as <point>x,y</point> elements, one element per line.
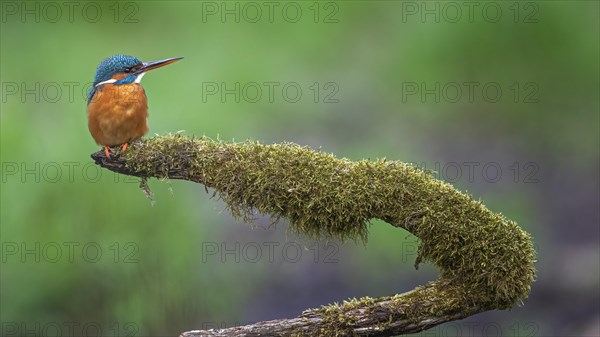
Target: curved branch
<point>486,262</point>
<point>364,317</point>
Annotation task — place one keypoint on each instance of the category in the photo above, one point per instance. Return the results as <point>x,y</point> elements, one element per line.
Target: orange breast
<point>117,114</point>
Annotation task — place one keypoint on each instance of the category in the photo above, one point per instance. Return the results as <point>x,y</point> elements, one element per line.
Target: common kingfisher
<point>117,105</point>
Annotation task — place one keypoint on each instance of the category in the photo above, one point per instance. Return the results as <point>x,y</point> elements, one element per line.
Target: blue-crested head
<point>113,65</point>
<point>129,68</point>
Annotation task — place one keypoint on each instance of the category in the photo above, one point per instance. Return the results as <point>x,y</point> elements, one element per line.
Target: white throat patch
<point>138,79</point>
<point>112,80</point>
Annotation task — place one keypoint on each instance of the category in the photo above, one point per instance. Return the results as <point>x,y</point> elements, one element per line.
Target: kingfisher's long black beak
<point>156,64</point>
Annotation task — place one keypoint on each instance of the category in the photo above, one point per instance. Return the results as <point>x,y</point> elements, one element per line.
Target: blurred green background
<point>84,252</point>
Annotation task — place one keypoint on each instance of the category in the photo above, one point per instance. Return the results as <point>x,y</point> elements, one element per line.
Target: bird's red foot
<point>124,147</point>
<point>106,151</point>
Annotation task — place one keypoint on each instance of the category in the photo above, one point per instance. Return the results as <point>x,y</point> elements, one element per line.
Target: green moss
<point>486,261</point>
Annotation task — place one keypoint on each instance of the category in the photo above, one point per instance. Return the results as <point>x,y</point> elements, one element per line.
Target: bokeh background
<point>85,253</point>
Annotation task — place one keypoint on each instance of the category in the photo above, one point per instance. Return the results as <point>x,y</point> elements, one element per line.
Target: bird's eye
<point>128,69</point>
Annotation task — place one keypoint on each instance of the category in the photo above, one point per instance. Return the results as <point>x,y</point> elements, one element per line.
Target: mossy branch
<point>486,262</point>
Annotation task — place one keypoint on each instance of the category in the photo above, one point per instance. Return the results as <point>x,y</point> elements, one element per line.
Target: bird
<point>117,106</point>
